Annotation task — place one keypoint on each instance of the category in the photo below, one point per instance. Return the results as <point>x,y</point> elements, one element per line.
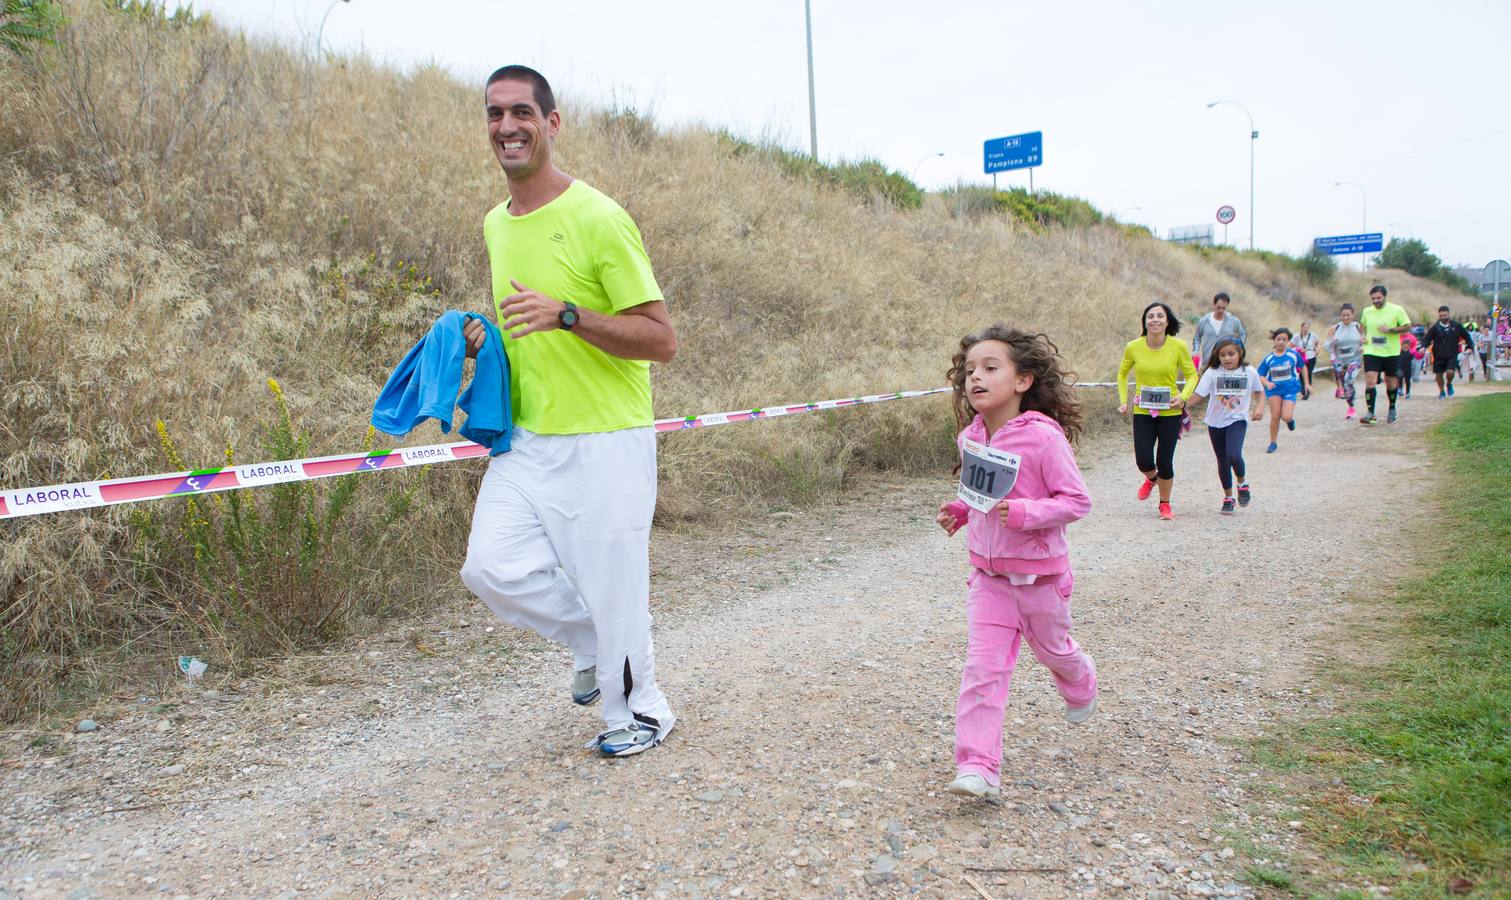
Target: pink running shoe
<point>1351,413</point>
<point>1338,392</point>
<point>1145,489</point>
<point>1165,512</point>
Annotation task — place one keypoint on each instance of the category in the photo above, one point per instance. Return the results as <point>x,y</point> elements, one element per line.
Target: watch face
<point>568,318</point>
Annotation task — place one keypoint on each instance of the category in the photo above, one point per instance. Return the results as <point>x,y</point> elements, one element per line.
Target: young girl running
<point>1019,488</point>
<point>1345,347</point>
<point>1281,372</point>
<point>1234,387</point>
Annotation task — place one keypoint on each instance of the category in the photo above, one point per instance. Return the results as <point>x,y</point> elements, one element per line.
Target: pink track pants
<point>1000,616</point>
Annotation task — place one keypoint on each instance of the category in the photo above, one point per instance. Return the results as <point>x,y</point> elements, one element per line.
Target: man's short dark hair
<point>1222,295</point>
<point>1443,309</point>
<point>538,85</point>
<point>1379,289</point>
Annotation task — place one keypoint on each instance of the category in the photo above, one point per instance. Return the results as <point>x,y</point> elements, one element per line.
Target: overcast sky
<point>1410,100</point>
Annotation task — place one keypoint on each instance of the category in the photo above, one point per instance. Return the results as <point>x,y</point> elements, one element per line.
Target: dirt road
<point>814,661</point>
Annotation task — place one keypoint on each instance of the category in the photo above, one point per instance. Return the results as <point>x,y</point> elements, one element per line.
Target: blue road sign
<point>1020,151</point>
<point>1351,243</point>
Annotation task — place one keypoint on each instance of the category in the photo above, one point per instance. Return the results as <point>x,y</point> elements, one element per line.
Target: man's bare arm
<point>640,332</point>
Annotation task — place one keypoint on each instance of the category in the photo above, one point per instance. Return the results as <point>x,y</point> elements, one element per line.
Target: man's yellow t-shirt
<point>1389,315</point>
<point>584,248</point>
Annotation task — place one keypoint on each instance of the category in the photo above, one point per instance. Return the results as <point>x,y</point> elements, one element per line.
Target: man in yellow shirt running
<point>1383,324</point>
<point>561,529</point>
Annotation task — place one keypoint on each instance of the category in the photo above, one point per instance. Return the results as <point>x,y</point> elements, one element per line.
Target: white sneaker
<point>585,686</point>
<point>1077,715</point>
<point>969,784</point>
<point>639,736</point>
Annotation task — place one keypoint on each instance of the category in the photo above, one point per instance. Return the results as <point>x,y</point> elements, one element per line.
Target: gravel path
<point>814,660</point>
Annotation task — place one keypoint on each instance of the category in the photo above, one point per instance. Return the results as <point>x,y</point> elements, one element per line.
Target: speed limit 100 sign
<point>1225,215</point>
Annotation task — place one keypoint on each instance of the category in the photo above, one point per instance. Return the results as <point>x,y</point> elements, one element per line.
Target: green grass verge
<point>1423,747</point>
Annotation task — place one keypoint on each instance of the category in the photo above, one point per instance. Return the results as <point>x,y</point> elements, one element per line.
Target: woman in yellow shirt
<point>1157,359</point>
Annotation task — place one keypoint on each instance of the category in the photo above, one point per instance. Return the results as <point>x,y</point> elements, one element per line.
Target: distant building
<point>1191,234</point>
<point>1480,277</point>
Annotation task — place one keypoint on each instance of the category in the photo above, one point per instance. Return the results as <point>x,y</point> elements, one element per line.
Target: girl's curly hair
<point>1033,354</point>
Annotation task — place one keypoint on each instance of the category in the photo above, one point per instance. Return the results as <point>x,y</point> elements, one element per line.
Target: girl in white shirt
<point>1234,389</point>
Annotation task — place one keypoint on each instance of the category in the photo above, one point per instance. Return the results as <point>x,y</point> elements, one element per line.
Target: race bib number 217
<point>986,475</point>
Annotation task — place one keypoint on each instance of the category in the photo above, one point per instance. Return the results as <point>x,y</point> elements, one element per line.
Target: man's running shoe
<point>1165,512</point>
<point>969,784</point>
<point>1272,447</point>
<point>1144,489</point>
<point>1228,507</point>
<point>1243,495</point>
<point>585,686</point>
<point>1351,413</point>
<point>1367,420</point>
<point>637,737</point>
<point>1390,417</point>
<point>1450,390</point>
<point>1442,395</point>
<point>1290,424</point>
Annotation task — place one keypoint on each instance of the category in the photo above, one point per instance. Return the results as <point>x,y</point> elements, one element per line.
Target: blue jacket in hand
<point>425,386</point>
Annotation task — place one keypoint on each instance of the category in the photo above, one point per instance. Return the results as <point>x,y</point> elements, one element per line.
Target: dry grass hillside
<point>186,213</point>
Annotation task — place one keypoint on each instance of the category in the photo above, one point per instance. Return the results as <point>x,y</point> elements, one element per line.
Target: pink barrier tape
<point>91,494</point>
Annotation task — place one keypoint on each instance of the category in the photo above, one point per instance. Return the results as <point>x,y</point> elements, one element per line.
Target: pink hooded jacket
<point>1048,495</point>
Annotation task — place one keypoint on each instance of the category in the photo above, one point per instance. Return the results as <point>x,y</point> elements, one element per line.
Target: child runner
<point>1234,387</point>
<point>1345,345</point>
<point>1411,356</point>
<point>1281,372</point>
<point>1019,488</point>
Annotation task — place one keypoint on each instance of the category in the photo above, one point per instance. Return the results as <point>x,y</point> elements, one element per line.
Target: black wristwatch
<point>568,315</point>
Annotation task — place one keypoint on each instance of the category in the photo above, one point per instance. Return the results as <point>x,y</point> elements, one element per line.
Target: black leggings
<point>1227,443</point>
<point>1154,443</point>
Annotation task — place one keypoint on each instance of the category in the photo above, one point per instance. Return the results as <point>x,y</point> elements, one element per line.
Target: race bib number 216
<point>986,475</point>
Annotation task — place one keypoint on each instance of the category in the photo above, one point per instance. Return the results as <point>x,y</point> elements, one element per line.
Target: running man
<point>1383,323</point>
<point>561,530</point>
<point>1442,341</point>
<point>1215,324</point>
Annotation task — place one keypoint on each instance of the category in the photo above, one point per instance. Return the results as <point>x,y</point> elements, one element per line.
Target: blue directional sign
<point>1351,243</point>
<point>1020,151</point>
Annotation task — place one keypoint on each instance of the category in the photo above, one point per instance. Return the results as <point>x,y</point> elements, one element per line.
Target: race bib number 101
<point>986,475</point>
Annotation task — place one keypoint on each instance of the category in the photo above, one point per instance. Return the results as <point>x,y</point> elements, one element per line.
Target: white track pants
<point>560,545</point>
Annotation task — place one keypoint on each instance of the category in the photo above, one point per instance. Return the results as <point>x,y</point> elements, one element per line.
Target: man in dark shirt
<point>1442,341</point>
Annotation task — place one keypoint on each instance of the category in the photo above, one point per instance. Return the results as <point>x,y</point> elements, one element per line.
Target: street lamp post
<point>812,104</point>
<point>1363,216</point>
<point>320,35</point>
<point>922,161</point>
<point>1253,136</point>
